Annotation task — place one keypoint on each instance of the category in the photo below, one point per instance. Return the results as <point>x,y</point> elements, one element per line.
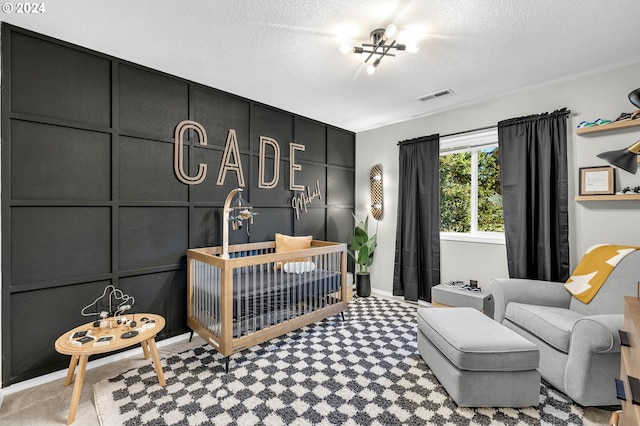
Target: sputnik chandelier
<point>383,43</point>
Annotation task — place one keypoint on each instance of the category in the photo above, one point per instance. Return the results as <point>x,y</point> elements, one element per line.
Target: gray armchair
<point>579,343</point>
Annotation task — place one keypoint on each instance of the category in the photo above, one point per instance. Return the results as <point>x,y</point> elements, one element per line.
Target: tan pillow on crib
<point>286,243</point>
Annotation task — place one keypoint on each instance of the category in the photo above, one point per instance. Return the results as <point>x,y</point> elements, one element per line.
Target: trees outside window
<point>489,191</point>
<point>455,192</point>
<point>470,192</point>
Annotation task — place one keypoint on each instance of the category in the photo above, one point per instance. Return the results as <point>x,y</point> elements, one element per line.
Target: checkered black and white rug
<point>361,371</point>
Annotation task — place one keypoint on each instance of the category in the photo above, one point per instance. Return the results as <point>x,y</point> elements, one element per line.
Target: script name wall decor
<point>299,202</point>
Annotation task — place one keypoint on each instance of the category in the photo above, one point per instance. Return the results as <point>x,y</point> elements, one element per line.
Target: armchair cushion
<point>551,324</point>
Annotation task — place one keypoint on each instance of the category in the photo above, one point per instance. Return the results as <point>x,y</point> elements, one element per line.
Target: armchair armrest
<point>597,333</point>
<point>533,292</point>
<point>594,357</point>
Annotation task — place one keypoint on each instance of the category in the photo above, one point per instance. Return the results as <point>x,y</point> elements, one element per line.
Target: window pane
<point>489,191</point>
<point>455,192</point>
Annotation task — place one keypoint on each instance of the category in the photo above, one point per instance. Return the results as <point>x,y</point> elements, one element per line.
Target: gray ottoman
<point>480,362</point>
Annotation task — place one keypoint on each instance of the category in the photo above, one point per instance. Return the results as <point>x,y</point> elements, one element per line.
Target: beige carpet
<point>48,404</point>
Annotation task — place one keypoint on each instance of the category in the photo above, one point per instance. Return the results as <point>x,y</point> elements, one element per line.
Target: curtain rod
<point>465,131</point>
<point>564,111</point>
<point>469,131</point>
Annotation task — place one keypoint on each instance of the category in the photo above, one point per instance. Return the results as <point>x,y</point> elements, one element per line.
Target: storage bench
<point>479,362</point>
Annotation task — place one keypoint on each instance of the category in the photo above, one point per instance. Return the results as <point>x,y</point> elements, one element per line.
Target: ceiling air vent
<point>435,95</point>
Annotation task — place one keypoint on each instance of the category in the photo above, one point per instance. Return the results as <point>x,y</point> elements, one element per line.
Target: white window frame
<point>473,142</point>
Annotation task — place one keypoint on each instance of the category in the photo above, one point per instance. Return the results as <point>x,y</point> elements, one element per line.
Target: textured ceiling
<point>285,53</point>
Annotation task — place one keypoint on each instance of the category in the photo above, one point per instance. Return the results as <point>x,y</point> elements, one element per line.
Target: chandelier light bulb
<point>371,69</point>
<point>412,48</point>
<point>390,31</point>
<point>346,48</point>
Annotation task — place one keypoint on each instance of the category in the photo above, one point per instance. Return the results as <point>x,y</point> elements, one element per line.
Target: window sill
<point>484,238</point>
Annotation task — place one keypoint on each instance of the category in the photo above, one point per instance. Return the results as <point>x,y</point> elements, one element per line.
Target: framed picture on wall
<point>597,180</point>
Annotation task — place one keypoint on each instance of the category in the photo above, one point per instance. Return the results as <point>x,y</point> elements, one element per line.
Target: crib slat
<point>322,283</point>
<point>255,298</point>
<point>282,292</point>
<point>305,292</point>
<point>266,290</point>
<point>295,297</point>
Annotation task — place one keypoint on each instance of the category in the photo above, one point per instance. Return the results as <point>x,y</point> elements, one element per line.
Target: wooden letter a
<point>231,150</point>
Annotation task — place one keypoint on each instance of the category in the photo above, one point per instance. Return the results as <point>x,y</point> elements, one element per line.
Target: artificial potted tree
<point>362,248</point>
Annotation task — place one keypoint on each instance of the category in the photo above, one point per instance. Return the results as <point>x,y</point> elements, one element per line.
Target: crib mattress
<point>262,284</point>
<point>262,288</point>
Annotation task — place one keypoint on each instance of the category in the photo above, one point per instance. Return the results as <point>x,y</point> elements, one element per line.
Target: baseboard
<point>390,295</point>
<point>40,380</point>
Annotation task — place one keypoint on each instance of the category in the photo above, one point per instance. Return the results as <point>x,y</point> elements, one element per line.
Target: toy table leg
<point>77,388</point>
<point>156,360</point>
<point>145,349</point>
<point>72,369</point>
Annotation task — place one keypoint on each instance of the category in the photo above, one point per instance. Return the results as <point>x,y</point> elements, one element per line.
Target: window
<point>470,192</point>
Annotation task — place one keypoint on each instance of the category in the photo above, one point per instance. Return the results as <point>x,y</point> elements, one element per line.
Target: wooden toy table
<point>80,354</point>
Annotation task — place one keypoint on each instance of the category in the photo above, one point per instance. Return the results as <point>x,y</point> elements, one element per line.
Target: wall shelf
<point>615,197</point>
<point>611,126</point>
<point>617,125</point>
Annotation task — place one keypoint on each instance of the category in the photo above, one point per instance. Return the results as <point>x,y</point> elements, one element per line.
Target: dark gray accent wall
<point>90,198</point>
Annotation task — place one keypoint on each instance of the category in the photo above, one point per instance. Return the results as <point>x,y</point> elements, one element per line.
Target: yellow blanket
<point>594,268</point>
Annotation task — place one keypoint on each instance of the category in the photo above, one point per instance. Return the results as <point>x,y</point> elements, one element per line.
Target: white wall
<point>599,95</point>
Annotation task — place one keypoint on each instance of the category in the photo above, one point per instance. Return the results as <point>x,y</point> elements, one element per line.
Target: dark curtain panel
<point>417,263</point>
<point>533,167</point>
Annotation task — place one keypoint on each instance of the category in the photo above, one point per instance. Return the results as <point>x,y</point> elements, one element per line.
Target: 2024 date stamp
<point>23,8</point>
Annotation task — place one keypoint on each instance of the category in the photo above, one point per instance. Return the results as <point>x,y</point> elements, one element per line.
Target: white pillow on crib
<point>299,267</point>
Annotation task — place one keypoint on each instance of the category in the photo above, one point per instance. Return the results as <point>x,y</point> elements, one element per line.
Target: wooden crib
<point>246,300</point>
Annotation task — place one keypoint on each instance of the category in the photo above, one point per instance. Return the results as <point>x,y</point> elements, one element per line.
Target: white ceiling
<point>285,53</point>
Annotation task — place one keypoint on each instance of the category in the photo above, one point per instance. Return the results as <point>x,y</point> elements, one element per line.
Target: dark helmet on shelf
<point>634,97</point>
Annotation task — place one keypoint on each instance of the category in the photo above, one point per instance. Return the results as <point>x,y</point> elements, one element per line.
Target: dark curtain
<point>533,167</point>
<point>417,263</point>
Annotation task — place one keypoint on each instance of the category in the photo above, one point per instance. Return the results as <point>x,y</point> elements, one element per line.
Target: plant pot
<point>363,285</point>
